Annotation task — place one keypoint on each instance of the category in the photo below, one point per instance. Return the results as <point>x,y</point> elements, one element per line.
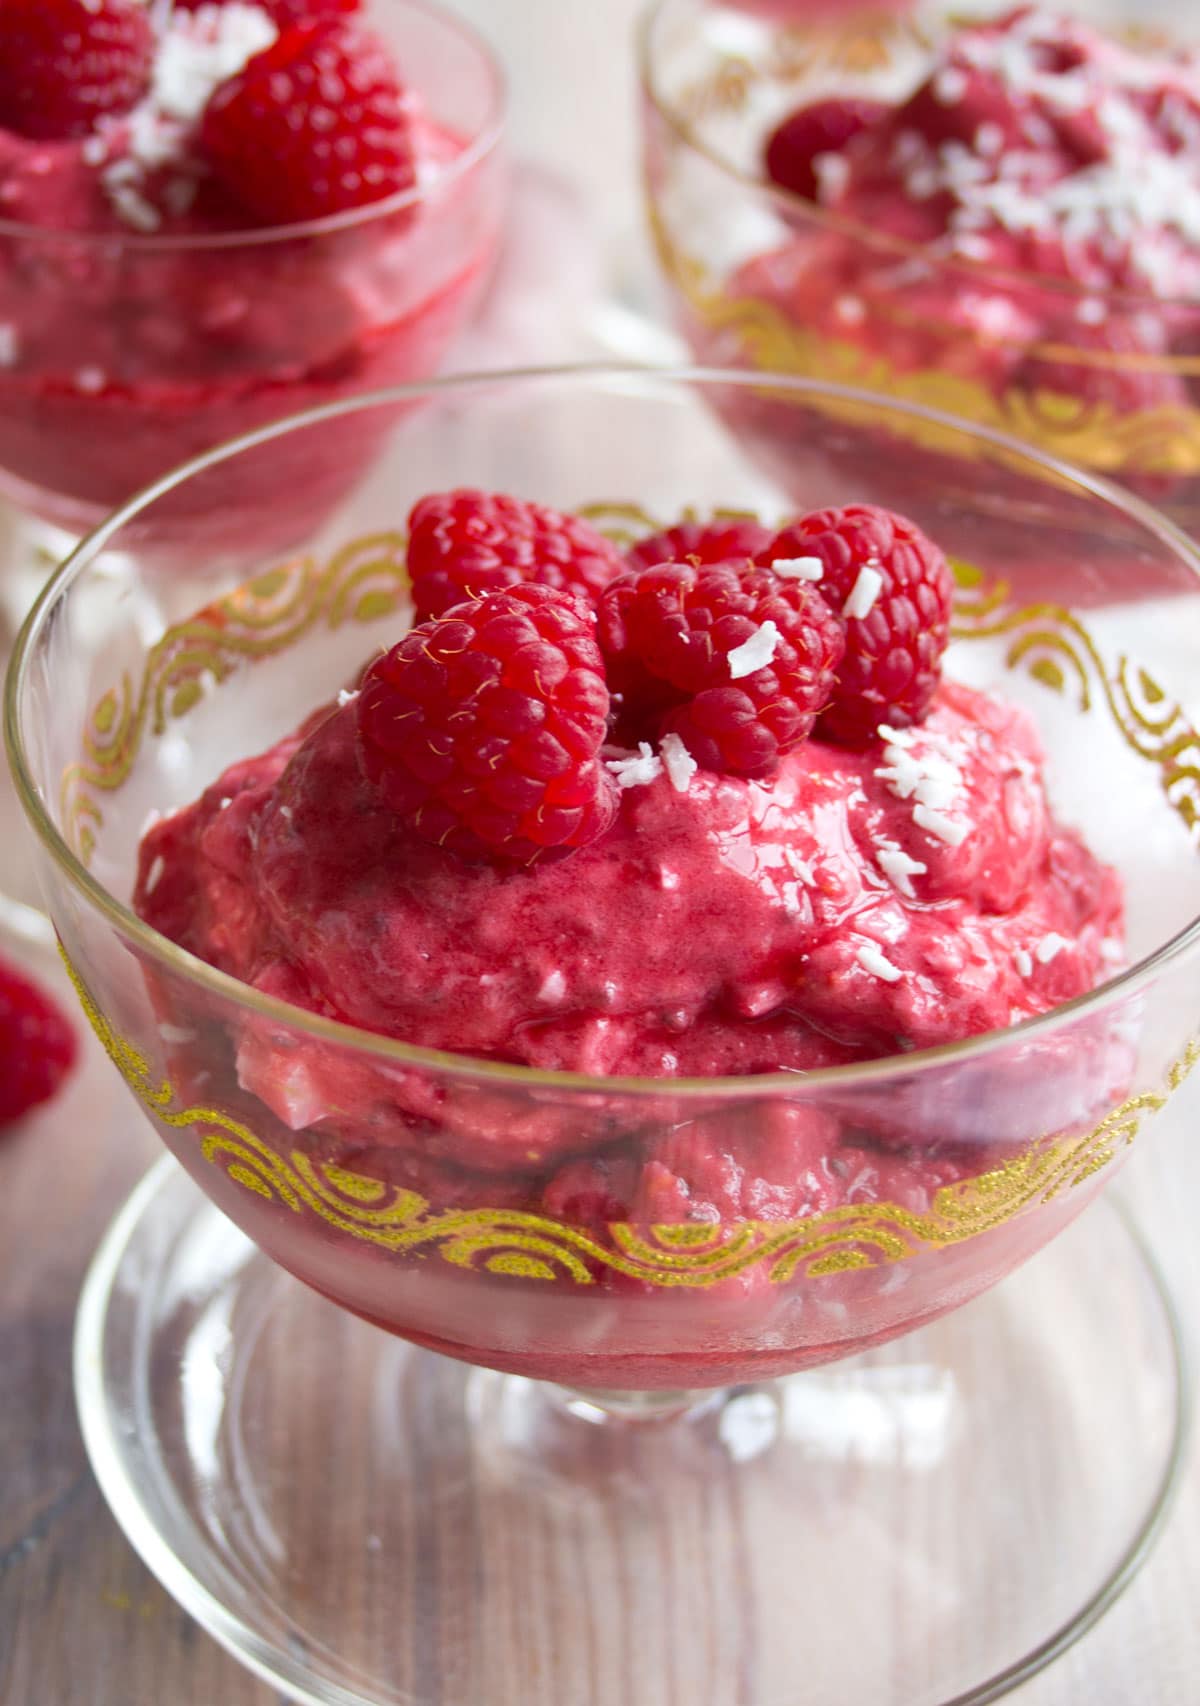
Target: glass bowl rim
<point>348,1036</point>
<point>485,141</point>
<point>792,205</point>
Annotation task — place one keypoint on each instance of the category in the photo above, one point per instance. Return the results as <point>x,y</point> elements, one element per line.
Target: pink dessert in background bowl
<point>501,845</point>
<point>200,243</point>
<point>997,217</point>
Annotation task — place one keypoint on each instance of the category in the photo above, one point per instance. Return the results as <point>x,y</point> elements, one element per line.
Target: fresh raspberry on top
<point>483,727</point>
<point>66,63</point>
<point>705,541</point>
<point>37,1045</point>
<point>315,124</point>
<point>893,589</point>
<point>743,658</point>
<point>795,146</point>
<point>465,543</point>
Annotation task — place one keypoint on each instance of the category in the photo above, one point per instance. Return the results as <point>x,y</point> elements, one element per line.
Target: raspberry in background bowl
<point>179,264</point>
<point>992,218</point>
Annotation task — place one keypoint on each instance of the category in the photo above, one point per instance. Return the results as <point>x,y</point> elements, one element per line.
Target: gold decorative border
<point>1164,440</point>
<point>365,580</point>
<point>515,1244</point>
<point>1049,643</point>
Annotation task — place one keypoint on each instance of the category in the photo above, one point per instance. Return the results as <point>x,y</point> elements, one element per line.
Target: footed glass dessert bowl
<point>989,212</point>
<point>721,984</point>
<point>178,266</point>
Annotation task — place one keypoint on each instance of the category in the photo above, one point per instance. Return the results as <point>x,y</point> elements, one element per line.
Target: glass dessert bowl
<point>986,213</point>
<point>170,278</point>
<point>647,1243</point>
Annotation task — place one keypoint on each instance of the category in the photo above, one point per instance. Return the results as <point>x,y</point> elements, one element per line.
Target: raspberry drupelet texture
<point>465,543</point>
<point>816,133</point>
<point>736,660</point>
<point>37,1045</point>
<point>313,125</point>
<point>704,541</point>
<point>66,63</point>
<point>893,589</point>
<point>483,728</point>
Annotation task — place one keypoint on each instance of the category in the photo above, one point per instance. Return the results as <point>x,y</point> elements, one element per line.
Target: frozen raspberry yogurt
<point>456,854</point>
<point>194,241</point>
<point>1017,240</point>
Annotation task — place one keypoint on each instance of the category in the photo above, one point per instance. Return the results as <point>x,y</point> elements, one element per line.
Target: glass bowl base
<point>368,1524</point>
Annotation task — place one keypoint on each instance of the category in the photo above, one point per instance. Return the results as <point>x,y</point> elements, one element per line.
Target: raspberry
<point>313,125</point>
<point>957,101</point>
<point>37,1045</point>
<point>668,634</point>
<point>893,658</point>
<point>466,543</point>
<point>483,727</point>
<point>825,127</point>
<point>65,63</point>
<point>708,542</point>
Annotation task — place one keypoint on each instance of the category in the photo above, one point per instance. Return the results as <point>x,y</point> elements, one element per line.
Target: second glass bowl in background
<point>761,278</point>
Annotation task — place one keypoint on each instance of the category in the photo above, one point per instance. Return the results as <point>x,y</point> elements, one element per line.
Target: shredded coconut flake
<point>90,380</point>
<point>935,791</point>
<point>128,204</point>
<point>872,958</point>
<point>950,85</point>
<point>1023,962</point>
<point>636,770</point>
<point>176,1034</point>
<point>863,593</point>
<point>8,344</point>
<point>899,868</point>
<point>799,568</point>
<point>754,653</point>
<point>902,772</point>
<point>347,696</point>
<point>198,53</point>
<point>1112,952</point>
<point>801,868</point>
<point>1050,946</point>
<point>154,874</point>
<point>554,987</point>
<point>832,172</point>
<point>681,766</point>
<point>938,824</point>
